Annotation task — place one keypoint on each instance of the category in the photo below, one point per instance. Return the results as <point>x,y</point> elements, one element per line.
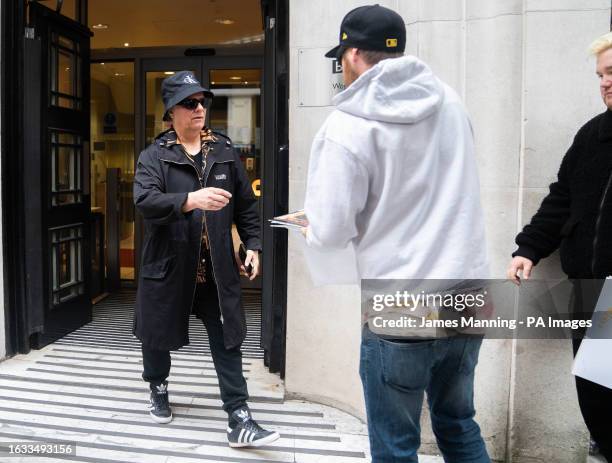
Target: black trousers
<point>596,406</point>
<point>228,362</point>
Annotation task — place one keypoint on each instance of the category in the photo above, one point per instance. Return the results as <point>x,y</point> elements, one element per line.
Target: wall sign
<point>319,78</point>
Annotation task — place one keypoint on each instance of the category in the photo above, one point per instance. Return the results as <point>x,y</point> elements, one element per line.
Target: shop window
<point>66,177</point>
<point>67,263</point>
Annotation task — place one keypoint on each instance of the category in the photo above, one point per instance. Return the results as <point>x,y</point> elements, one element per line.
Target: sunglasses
<point>192,103</point>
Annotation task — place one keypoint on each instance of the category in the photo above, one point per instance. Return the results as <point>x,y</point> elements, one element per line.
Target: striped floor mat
<point>111,327</point>
<point>94,397</point>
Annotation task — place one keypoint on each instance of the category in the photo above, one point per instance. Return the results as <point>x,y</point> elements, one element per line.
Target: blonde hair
<point>601,44</point>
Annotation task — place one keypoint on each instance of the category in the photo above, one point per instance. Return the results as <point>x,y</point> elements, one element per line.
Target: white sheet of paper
<point>331,267</point>
<point>594,358</point>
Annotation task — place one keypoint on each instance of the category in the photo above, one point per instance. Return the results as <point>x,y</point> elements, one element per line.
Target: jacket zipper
<point>601,203</point>
<point>212,260</point>
<point>203,222</point>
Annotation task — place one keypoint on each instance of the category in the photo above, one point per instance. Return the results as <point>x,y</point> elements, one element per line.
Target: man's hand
<point>207,199</point>
<point>517,264</point>
<point>252,258</point>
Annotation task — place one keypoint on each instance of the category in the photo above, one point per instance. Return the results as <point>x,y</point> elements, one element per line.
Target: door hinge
<point>30,33</point>
<point>271,23</point>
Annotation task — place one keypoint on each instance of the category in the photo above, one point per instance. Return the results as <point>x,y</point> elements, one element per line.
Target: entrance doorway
<point>95,110</point>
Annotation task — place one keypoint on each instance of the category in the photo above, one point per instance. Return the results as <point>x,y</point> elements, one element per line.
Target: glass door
<point>235,112</point>
<point>112,175</point>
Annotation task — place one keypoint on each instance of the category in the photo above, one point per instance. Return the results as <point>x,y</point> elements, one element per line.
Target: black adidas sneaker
<point>159,407</point>
<point>243,431</point>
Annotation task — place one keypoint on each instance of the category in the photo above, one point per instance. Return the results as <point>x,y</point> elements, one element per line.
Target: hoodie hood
<point>398,90</point>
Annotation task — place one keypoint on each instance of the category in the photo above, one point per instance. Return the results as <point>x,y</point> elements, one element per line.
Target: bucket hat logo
<point>179,86</point>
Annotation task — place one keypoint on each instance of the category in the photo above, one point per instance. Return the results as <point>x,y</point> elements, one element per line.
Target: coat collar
<point>219,147</point>
<point>605,126</point>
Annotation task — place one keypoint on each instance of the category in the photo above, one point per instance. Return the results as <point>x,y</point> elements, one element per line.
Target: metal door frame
<point>275,14</point>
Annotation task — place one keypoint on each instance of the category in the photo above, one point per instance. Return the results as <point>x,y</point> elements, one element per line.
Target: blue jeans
<point>395,376</point>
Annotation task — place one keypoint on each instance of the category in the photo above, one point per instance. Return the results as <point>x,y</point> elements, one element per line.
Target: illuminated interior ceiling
<point>107,71</point>
<point>184,23</point>
<point>235,77</point>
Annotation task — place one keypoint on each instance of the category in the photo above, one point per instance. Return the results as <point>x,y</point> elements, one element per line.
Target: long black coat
<point>576,215</point>
<point>171,248</point>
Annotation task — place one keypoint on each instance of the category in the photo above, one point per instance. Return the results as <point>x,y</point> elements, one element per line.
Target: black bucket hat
<point>371,27</point>
<point>179,86</point>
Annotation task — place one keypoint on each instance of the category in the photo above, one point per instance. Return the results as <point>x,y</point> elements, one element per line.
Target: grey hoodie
<point>392,172</point>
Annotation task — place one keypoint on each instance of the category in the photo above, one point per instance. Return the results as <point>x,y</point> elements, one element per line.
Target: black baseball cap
<point>371,27</point>
<point>179,86</point>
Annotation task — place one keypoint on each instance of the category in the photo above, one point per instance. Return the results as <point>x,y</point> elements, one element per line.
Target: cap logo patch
<point>344,36</point>
<point>391,43</point>
<point>189,80</point>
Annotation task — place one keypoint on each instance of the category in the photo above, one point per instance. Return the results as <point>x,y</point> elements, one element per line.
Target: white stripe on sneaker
<point>240,435</point>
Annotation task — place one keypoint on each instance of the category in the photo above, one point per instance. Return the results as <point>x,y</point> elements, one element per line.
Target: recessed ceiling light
<point>102,64</point>
<point>100,26</point>
<point>236,78</point>
<point>212,83</point>
<point>169,73</point>
<point>224,21</point>
<point>126,44</point>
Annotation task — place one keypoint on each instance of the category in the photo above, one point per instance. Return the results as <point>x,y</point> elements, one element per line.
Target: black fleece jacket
<point>576,215</point>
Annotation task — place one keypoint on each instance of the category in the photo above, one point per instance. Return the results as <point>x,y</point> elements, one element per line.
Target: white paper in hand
<point>594,358</point>
<point>331,266</point>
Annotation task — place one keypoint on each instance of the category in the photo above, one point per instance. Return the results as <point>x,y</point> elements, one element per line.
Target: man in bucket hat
<point>190,186</point>
<point>392,171</point>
